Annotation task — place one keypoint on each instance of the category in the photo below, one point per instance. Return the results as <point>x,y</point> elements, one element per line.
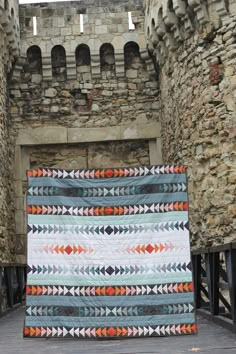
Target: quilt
<point>109,253</point>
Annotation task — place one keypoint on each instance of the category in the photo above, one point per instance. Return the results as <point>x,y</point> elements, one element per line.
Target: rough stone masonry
<point>9,30</point>
<point>194,45</point>
<point>90,88</point>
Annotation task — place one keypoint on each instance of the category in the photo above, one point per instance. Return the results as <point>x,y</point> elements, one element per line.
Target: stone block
<point>131,74</point>
<point>140,131</point>
<point>101,29</point>
<point>36,78</point>
<point>18,188</point>
<point>51,92</point>
<point>43,135</point>
<point>19,219</point>
<point>77,135</point>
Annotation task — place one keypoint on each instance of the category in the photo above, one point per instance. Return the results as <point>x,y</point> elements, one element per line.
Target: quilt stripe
<point>109,253</point>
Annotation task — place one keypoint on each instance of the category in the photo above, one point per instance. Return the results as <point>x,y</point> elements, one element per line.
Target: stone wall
<point>82,96</point>
<point>194,44</point>
<point>8,48</point>
<point>89,156</point>
<point>93,88</point>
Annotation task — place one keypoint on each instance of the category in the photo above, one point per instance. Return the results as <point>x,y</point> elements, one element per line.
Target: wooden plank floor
<point>211,339</point>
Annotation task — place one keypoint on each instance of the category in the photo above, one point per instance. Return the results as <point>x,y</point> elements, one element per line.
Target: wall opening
<point>130,20</point>
<point>35,29</point>
<point>58,57</point>
<point>34,60</point>
<point>83,62</point>
<point>81,21</point>
<point>170,5</point>
<point>6,5</point>
<point>107,60</point>
<point>132,56</point>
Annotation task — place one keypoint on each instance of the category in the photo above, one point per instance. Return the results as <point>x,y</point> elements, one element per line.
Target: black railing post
<point>215,283</point>
<point>1,305</point>
<point>20,283</point>
<point>9,285</point>
<point>196,262</point>
<point>209,275</point>
<point>231,272</point>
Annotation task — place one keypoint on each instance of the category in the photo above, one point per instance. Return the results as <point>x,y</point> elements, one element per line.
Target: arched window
<point>83,63</point>
<point>170,5</point>
<point>58,57</point>
<point>34,60</point>
<point>82,55</point>
<point>154,33</point>
<point>132,55</point>
<point>107,60</point>
<point>160,24</point>
<point>6,4</point>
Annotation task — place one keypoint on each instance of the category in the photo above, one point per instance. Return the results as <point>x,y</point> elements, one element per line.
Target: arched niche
<point>6,5</point>
<point>34,60</point>
<point>82,55</point>
<point>132,56</point>
<point>170,5</point>
<point>58,57</point>
<point>107,60</point>
<point>83,62</point>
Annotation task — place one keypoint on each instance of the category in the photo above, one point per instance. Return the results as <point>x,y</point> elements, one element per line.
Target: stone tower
<point>194,44</point>
<point>83,92</point>
<point>9,43</point>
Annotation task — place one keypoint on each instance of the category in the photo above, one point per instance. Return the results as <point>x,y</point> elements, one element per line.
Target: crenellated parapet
<point>75,24</point>
<point>9,31</point>
<point>168,23</point>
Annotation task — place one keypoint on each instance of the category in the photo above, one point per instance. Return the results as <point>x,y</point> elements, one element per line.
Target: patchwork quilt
<point>108,253</point>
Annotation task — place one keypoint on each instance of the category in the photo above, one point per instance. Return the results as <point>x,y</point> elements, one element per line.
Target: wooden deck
<point>211,339</point>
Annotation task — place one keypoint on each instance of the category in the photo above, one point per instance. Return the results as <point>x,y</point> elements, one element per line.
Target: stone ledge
<point>59,135</point>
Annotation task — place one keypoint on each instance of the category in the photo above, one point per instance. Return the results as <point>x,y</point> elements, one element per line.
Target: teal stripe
<point>109,201</point>
<point>109,321</point>
<point>73,280</point>
<point>108,220</point>
<point>47,300</point>
<point>106,182</point>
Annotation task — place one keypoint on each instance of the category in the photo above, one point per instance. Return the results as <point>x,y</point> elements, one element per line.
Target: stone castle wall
<point>194,45</point>
<point>98,95</point>
<point>9,30</point>
<point>82,97</point>
<point>113,89</point>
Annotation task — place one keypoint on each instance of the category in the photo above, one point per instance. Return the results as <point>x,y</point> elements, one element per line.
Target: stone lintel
<point>59,135</point>
<point>82,135</point>
<point>42,136</point>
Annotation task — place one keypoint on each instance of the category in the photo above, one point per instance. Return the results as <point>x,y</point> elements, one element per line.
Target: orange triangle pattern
<point>110,210</point>
<point>157,289</point>
<point>107,173</point>
<point>98,332</point>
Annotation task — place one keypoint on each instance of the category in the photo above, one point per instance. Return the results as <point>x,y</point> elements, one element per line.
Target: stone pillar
<point>95,65</point>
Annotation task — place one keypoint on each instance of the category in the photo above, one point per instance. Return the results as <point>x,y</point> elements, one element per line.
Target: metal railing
<point>214,272</point>
<point>12,286</point>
